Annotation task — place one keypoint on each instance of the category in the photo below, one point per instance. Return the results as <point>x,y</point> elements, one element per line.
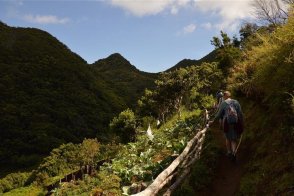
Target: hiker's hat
<point>219,94</point>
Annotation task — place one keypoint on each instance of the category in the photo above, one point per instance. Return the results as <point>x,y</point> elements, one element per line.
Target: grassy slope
<point>269,148</point>
<point>270,144</point>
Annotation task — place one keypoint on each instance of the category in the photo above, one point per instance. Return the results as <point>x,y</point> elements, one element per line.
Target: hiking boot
<point>234,158</point>
<point>229,155</point>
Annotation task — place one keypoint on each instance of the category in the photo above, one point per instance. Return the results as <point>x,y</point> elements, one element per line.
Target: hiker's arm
<point>219,113</point>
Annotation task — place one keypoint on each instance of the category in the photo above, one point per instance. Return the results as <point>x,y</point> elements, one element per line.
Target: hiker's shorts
<point>232,134</point>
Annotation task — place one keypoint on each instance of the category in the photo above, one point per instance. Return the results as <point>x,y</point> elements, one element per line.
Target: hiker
<point>232,122</point>
<point>219,99</point>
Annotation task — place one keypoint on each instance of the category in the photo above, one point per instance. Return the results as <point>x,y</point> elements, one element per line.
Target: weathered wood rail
<point>180,167</point>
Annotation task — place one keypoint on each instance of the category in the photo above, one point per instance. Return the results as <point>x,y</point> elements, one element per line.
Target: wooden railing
<point>180,167</point>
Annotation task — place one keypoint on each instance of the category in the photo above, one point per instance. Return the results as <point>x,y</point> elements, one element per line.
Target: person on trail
<point>219,99</point>
<point>232,122</point>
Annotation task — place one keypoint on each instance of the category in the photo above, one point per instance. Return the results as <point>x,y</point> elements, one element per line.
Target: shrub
<point>124,125</point>
<point>13,180</point>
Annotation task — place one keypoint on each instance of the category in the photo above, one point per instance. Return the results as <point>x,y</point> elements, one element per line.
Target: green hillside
<point>123,78</point>
<point>51,96</point>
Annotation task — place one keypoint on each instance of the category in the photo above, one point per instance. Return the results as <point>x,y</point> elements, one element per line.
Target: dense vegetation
<point>51,96</point>
<point>143,157</point>
<point>265,78</point>
<point>260,70</point>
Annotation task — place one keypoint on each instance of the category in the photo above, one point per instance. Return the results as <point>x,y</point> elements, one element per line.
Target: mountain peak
<point>115,60</point>
<point>116,55</point>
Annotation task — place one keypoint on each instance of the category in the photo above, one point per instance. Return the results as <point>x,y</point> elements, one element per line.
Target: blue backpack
<point>231,114</point>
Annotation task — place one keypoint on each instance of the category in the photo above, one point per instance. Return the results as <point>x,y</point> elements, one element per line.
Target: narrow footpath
<point>228,174</point>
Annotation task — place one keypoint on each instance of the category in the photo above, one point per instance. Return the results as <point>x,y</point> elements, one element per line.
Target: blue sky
<point>153,35</point>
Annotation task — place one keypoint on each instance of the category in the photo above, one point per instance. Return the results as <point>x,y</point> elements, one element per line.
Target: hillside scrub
<point>203,171</point>
<point>267,69</point>
<point>135,162</point>
<point>269,143</point>
<point>265,77</point>
<point>13,180</point>
<point>143,158</point>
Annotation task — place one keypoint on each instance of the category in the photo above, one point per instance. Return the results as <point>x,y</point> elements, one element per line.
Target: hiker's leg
<point>234,146</point>
<point>228,144</point>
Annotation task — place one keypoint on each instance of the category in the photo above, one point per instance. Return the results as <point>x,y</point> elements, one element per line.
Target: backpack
<point>231,114</point>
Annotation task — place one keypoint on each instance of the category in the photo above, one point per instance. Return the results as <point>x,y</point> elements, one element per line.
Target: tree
<point>271,12</point>
<point>168,95</point>
<point>248,34</point>
<point>179,87</point>
<point>89,151</point>
<point>247,30</point>
<point>124,125</point>
<point>228,51</point>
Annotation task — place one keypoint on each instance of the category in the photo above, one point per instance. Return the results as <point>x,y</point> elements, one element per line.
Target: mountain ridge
<point>210,57</point>
<point>116,56</point>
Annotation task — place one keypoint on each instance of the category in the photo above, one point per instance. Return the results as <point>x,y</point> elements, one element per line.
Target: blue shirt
<point>223,106</point>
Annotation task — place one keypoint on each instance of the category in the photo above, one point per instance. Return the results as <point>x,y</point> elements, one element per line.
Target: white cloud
<point>230,12</point>
<point>174,10</point>
<point>189,28</point>
<point>150,7</point>
<point>141,8</point>
<point>229,9</point>
<point>207,25</point>
<point>45,19</point>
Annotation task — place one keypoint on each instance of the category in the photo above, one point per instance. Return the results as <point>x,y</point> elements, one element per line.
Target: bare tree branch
<point>288,1</point>
<point>272,12</point>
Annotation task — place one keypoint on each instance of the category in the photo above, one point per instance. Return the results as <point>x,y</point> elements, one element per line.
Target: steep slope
<point>125,80</point>
<point>49,96</point>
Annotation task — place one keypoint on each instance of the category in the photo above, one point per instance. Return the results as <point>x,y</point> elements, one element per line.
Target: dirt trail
<point>228,174</point>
